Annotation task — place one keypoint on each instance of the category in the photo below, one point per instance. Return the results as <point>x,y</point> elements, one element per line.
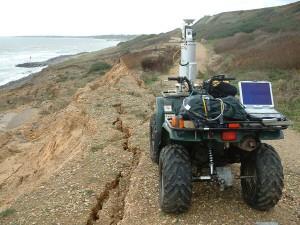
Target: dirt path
<point>201,57</point>
<point>209,205</point>
<point>107,177</point>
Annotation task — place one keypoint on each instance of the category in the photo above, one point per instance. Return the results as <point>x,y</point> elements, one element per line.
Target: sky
<point>97,17</point>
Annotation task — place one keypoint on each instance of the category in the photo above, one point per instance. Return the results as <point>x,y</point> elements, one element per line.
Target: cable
<point>221,111</point>
<point>205,109</point>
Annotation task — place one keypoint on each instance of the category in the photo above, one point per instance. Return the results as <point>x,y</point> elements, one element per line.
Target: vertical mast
<point>188,65</point>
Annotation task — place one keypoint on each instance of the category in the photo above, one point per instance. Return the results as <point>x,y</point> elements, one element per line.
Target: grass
<point>292,111</point>
<point>275,19</point>
<point>7,212</point>
<point>260,51</point>
<point>139,39</point>
<point>58,91</point>
<point>149,78</point>
<point>61,78</point>
<point>99,67</point>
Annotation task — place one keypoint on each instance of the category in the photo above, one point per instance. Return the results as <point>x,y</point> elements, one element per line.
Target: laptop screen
<point>256,93</point>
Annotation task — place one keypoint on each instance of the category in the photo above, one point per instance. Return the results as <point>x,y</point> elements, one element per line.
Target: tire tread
<point>176,167</point>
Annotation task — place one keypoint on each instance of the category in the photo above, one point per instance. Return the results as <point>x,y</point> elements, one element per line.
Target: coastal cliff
<point>74,142</point>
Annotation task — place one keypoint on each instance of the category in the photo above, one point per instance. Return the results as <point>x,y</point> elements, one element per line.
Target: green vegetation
<point>7,212</point>
<point>149,78</point>
<point>261,50</point>
<point>144,41</point>
<point>99,67</point>
<point>140,38</point>
<point>282,18</point>
<point>69,83</point>
<point>152,81</point>
<point>61,78</point>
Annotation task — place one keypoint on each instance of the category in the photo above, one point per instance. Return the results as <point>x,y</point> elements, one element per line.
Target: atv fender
<point>172,105</point>
<point>159,116</point>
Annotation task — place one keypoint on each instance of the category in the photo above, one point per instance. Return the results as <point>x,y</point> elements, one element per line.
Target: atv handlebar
<point>221,77</point>
<point>209,82</point>
<point>174,78</point>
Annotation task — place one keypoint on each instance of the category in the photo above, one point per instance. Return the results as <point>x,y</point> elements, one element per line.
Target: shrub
<point>7,212</point>
<point>99,67</point>
<point>149,78</point>
<point>158,64</point>
<point>262,50</point>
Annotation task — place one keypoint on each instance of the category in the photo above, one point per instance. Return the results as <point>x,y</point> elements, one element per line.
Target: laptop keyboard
<point>266,115</point>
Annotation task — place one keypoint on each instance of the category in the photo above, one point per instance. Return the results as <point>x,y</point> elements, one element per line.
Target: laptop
<point>257,98</point>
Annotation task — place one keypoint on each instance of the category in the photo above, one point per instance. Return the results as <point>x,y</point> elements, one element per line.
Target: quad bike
<point>186,153</point>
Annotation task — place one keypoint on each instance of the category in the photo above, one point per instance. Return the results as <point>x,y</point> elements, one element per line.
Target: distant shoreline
<point>41,65</point>
<point>55,60</point>
<point>118,37</point>
<point>47,62</point>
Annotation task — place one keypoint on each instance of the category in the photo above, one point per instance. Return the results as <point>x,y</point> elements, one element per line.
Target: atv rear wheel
<point>175,176</point>
<point>264,190</point>
<point>154,143</point>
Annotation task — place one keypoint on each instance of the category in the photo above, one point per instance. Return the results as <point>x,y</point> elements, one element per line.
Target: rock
<point>51,61</point>
<point>31,64</point>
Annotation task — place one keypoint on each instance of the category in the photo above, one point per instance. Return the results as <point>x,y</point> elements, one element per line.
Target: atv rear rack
<point>265,124</point>
<point>263,130</point>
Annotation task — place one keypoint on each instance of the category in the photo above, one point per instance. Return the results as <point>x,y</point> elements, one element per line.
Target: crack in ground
<point>102,198</point>
<point>116,191</point>
<point>126,147</point>
<point>120,109</point>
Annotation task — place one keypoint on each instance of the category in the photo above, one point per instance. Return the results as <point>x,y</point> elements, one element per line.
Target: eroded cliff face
<point>103,117</point>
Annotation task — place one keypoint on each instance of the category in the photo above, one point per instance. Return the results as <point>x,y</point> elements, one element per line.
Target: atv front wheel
<point>175,179</point>
<point>264,189</point>
<point>154,143</point>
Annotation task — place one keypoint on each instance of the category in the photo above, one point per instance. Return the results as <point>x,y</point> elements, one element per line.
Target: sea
<point>17,50</point>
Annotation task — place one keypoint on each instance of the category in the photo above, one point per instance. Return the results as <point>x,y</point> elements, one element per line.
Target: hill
<point>274,19</point>
<point>261,44</point>
<point>257,39</point>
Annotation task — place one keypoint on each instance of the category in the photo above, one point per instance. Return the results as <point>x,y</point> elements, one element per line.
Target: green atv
<point>187,153</point>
